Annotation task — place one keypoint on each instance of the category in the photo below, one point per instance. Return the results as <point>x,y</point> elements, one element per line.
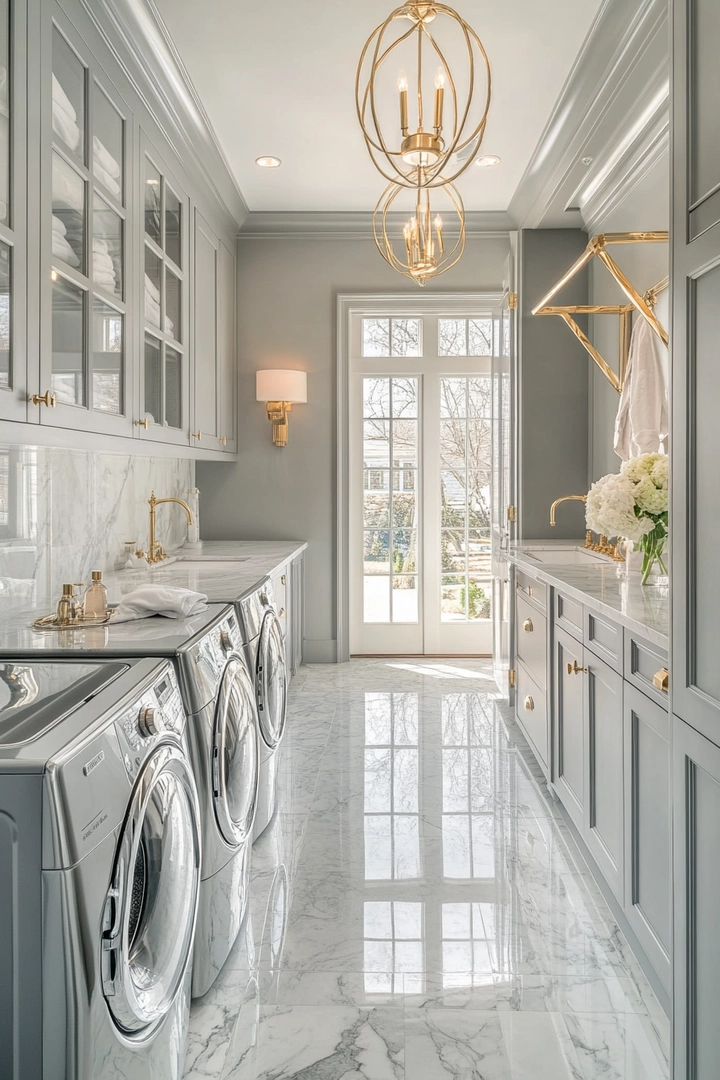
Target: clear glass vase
<point>654,566</point>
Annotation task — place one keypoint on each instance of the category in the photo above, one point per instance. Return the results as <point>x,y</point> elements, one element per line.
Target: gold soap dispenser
<point>95,604</point>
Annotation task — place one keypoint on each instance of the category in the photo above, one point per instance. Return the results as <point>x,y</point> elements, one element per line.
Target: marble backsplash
<point>64,513</point>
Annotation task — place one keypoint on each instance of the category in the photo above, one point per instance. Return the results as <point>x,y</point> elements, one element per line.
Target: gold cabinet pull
<point>48,398</point>
<point>196,435</point>
<point>529,703</point>
<point>283,580</point>
<point>661,679</point>
<point>528,626</point>
<point>573,668</point>
<point>530,590</point>
<point>223,440</point>
<point>143,423</point>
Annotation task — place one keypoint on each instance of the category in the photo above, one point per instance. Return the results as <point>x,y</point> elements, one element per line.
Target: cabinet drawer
<point>534,590</point>
<point>532,640</point>
<point>605,638</point>
<point>642,662</point>
<point>531,712</point>
<point>569,615</point>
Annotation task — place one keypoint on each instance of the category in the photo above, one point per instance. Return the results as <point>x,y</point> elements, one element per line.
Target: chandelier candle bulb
<point>438,231</point>
<point>403,89</point>
<point>439,99</point>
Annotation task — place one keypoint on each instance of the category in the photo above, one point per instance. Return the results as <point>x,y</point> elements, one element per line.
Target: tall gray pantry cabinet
<point>695,666</point>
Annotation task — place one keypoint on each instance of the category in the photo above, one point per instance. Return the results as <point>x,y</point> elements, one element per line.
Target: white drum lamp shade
<point>280,389</point>
<point>278,384</point>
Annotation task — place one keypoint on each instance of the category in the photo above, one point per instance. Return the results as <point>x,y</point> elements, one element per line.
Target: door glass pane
<point>107,248</point>
<point>404,398</point>
<point>173,385</point>
<point>107,145</point>
<point>173,226</point>
<point>4,315</point>
<point>376,397</point>
<point>5,106</point>
<point>153,380</point>
<point>153,284</point>
<point>68,361</point>
<point>152,201</point>
<point>68,97</point>
<point>376,607</point>
<point>172,305</point>
<point>377,551</point>
<point>405,599</point>
<point>68,214</point>
<point>376,435</point>
<point>107,358</point>
<point>376,498</point>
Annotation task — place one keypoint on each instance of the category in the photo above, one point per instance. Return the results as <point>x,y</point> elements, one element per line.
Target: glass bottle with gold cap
<point>95,604</point>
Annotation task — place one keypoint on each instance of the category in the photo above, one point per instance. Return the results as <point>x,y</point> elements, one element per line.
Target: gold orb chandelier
<point>424,248</point>
<point>415,151</point>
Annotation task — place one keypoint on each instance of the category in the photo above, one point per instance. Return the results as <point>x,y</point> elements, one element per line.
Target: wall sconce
<point>280,389</point>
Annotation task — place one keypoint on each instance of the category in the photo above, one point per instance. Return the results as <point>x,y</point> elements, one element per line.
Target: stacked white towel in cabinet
<point>64,120</point>
<point>152,306</point>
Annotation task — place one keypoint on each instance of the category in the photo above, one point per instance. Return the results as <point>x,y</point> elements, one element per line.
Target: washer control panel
<point>156,712</point>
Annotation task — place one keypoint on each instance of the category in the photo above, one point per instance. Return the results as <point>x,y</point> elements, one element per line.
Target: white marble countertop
<point>224,570</point>
<point>605,586</point>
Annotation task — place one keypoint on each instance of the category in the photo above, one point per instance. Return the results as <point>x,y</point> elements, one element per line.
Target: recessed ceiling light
<point>488,161</point>
<point>587,161</point>
<point>268,162</point>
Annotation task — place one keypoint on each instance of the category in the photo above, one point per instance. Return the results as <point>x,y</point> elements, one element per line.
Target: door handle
<point>528,626</point>
<point>661,680</point>
<point>573,668</point>
<point>529,703</point>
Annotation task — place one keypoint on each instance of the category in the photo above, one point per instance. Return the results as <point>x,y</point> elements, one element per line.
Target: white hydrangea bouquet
<point>633,504</point>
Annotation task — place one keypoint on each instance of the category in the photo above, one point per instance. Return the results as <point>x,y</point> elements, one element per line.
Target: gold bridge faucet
<point>603,546</point>
<point>565,498</point>
<point>156,552</point>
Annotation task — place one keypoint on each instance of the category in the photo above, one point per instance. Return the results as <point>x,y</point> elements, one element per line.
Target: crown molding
<point>615,96</point>
<point>135,34</point>
<point>354,224</point>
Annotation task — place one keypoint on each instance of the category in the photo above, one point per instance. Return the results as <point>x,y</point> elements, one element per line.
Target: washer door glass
<point>235,755</point>
<point>271,677</point>
<point>150,911</point>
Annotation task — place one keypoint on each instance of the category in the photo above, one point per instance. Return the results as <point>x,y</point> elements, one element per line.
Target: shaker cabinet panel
<point>648,884</point>
<point>205,401</point>
<point>696,951</point>
<point>604,769</point>
<point>570,726</point>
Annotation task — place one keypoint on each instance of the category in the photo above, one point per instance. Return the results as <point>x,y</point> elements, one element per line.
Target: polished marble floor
<point>419,909</point>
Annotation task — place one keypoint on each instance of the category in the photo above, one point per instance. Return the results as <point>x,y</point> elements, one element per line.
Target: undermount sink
<point>573,556</point>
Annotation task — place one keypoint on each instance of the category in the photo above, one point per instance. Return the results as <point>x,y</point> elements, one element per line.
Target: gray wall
<point>645,209</point>
<point>286,318</point>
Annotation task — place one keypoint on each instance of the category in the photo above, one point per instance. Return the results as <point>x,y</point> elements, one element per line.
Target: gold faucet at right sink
<point>603,546</point>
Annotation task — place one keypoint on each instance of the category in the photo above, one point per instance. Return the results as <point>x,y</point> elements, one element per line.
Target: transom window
<point>392,337</point>
<point>465,337</point>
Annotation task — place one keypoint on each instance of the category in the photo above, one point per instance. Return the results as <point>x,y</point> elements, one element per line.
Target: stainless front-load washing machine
<point>265,646</point>
<point>100,848</point>
<point>218,693</point>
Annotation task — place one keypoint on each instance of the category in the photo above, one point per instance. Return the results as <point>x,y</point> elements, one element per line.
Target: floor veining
<point>419,908</point>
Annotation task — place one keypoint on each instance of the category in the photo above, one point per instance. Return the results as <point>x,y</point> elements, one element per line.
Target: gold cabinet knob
<point>143,423</point>
<point>223,440</point>
<point>573,669</point>
<point>48,398</point>
<point>196,435</point>
<point>529,704</point>
<point>528,626</point>
<point>661,679</point>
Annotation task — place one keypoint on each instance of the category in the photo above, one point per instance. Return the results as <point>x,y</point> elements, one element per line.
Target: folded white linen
<point>151,289</point>
<point>62,250</point>
<point>61,98</point>
<point>147,600</point>
<point>152,314</point>
<point>66,128</point>
<point>66,191</point>
<point>106,179</point>
<point>100,245</point>
<point>102,261</point>
<point>58,225</point>
<point>105,159</point>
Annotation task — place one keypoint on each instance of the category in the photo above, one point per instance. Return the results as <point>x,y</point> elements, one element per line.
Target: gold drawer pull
<point>573,668</point>
<point>48,398</point>
<point>196,435</point>
<point>143,423</point>
<point>529,703</point>
<point>528,626</point>
<point>661,679</point>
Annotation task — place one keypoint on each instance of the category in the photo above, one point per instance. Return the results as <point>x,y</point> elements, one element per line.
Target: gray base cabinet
<point>647,827</point>
<point>603,829</point>
<point>696,973</point>
<point>570,772</point>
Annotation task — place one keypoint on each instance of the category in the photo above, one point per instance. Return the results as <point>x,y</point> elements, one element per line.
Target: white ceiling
<point>277,77</point>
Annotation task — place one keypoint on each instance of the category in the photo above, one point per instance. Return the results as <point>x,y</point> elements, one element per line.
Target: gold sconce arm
<point>277,413</point>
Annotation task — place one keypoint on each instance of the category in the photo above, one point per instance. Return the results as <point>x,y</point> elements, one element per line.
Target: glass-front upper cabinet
<point>83,349</point>
<point>13,188</point>
<point>165,384</point>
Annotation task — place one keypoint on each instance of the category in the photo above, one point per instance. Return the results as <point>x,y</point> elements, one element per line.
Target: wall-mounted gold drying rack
<point>644,303</point>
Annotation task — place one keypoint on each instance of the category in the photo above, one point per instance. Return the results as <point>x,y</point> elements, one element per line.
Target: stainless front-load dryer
<point>265,647</point>
<point>218,694</point>
<point>100,850</point>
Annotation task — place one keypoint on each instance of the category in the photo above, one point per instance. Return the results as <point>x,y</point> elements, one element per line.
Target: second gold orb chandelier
<point>432,133</point>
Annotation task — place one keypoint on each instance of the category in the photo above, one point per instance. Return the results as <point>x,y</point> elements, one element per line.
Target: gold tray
<point>50,622</point>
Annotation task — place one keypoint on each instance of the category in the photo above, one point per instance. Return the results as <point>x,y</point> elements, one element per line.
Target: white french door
<point>420,459</point>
